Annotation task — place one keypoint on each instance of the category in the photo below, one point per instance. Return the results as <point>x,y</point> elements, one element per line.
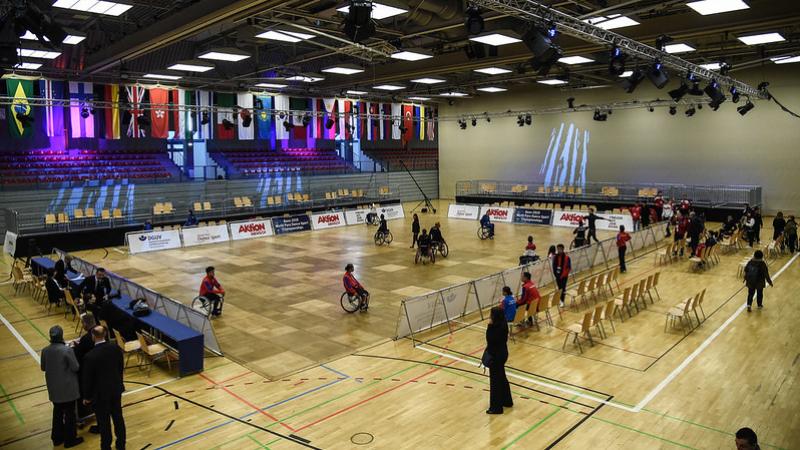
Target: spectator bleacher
<point>253,163</point>
<point>57,166</point>
<point>413,158</point>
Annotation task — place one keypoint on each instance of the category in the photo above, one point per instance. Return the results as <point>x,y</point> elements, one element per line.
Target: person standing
<point>759,223</point>
<point>622,247</point>
<point>685,205</point>
<point>60,369</point>
<point>778,225</point>
<point>592,219</point>
<point>561,267</point>
<point>103,388</point>
<point>756,276</point>
<point>750,228</point>
<point>695,230</point>
<point>791,234</point>
<point>495,357</point>
<point>414,230</point>
<point>580,235</point>
<point>636,215</point>
<point>81,347</point>
<point>658,201</point>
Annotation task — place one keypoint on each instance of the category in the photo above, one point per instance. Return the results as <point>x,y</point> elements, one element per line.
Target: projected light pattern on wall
<point>566,158</point>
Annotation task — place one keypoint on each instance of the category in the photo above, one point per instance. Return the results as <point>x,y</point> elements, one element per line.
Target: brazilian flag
<point>20,120</point>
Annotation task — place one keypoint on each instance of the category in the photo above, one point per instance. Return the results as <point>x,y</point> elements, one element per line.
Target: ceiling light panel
<point>191,67</point>
<point>493,70</point>
<point>161,76</point>
<point>759,39</point>
<point>706,7</point>
<point>94,6</point>
<point>357,92</point>
<point>27,66</point>
<point>575,60</point>
<point>711,66</point>
<point>271,85</point>
<point>492,89</point>
<point>611,22</point>
<point>496,38</point>
<point>380,11</point>
<point>419,99</point>
<point>285,36</point>
<point>626,74</point>
<point>678,48</point>
<point>428,80</point>
<point>786,59</point>
<point>71,39</point>
<point>35,53</point>
<point>409,55</point>
<point>305,78</point>
<point>552,82</point>
<point>389,87</point>
<point>453,94</point>
<point>343,70</point>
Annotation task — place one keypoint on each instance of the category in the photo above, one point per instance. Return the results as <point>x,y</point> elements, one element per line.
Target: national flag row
<point>112,111</point>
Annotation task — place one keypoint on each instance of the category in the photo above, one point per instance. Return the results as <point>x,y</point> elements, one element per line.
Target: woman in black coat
<point>414,230</point>
<point>497,353</point>
<point>756,277</point>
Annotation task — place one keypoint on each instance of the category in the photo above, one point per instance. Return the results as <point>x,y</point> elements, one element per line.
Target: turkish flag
<point>159,117</point>
<point>408,122</point>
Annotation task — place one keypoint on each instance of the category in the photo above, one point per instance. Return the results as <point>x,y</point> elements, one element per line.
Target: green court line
<point>11,403</point>
<point>535,426</point>
<point>643,433</point>
<point>25,318</point>
<point>260,445</point>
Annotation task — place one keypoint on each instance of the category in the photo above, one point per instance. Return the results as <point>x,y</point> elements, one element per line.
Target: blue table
<point>188,342</point>
<point>40,266</point>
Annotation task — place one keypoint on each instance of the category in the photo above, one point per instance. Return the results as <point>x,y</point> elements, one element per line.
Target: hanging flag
<point>111,112</point>
<point>175,113</point>
<point>316,118</point>
<point>20,113</point>
<point>135,98</point>
<point>246,127</point>
<point>282,116</point>
<point>187,123</point>
<point>432,123</point>
<point>329,104</point>
<point>159,120</point>
<point>80,94</point>
<point>264,117</point>
<point>362,120</point>
<point>408,123</point>
<point>226,127</point>
<point>421,122</point>
<point>52,92</point>
<point>204,115</point>
<point>368,127</point>
<point>299,108</point>
<point>397,120</point>
<point>381,122</point>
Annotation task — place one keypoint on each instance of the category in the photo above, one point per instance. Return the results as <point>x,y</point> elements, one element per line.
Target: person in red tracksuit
<point>636,215</point>
<point>561,267</point>
<point>353,287</point>
<point>212,290</point>
<point>659,202</point>
<point>529,295</point>
<point>622,247</point>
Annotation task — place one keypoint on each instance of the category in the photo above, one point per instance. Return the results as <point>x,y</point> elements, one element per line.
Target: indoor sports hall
<point>399,224</point>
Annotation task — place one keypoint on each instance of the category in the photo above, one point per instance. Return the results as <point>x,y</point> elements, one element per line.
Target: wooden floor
<point>641,388</point>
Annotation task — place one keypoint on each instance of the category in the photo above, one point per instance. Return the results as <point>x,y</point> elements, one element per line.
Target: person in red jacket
<point>353,287</point>
<point>561,267</point>
<point>212,290</point>
<point>636,215</point>
<point>622,247</point>
<point>659,203</point>
<point>529,295</point>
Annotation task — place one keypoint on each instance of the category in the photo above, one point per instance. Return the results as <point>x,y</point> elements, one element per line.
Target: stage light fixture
<point>724,68</point>
<point>473,21</point>
<point>744,109</point>
<point>545,52</point>
<point>358,25</point>
<point>247,120</point>
<point>677,94</point>
<point>528,119</point>
<point>85,113</point>
<point>616,65</point>
<point>715,94</point>
<point>662,41</point>
<point>673,110</point>
<point>520,120</point>
<point>474,121</point>
<point>205,117</point>
<point>658,75</point>
<point>630,83</point>
<point>690,111</point>
<point>571,103</point>
<point>650,108</point>
<point>735,97</point>
<point>599,116</point>
<point>329,123</point>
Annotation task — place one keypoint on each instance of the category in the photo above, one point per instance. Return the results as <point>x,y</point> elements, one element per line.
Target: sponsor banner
<point>322,221</point>
<point>391,212</point>
<point>456,211</point>
<point>498,214</point>
<point>610,222</point>
<point>531,216</point>
<point>291,224</point>
<point>205,235</point>
<point>357,216</point>
<point>150,241</point>
<point>250,229</point>
<point>10,244</point>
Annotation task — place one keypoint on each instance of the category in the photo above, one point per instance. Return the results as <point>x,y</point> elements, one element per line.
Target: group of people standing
<point>423,240</point>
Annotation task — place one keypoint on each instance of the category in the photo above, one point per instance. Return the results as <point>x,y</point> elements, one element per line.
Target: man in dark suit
<point>99,287</point>
<point>102,386</point>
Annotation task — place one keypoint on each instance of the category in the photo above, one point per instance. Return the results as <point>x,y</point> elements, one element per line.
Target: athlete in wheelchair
<point>372,216</point>
<point>486,231</point>
<point>425,250</point>
<point>437,240</point>
<point>383,235</point>
<point>212,295</point>
<point>355,297</point>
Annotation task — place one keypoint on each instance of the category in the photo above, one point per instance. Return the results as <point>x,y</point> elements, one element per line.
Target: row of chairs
<point>81,215</point>
<point>163,208</point>
<point>568,190</point>
<point>594,286</point>
<point>706,257</point>
<point>242,202</point>
<point>681,312</point>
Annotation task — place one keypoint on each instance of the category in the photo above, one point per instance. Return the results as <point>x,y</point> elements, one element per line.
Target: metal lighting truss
<point>532,11</point>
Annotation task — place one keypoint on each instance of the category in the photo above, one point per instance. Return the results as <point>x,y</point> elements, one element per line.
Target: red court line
<point>355,405</point>
<point>236,376</point>
<point>270,416</point>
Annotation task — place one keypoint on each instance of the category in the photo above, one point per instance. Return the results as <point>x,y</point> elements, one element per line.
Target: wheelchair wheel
<point>483,233</point>
<point>417,256</point>
<point>350,303</point>
<point>378,238</point>
<point>443,249</point>
<point>433,256</point>
<point>202,305</point>
<point>388,238</point>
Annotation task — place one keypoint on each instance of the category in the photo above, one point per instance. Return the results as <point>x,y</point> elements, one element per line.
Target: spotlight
<point>474,21</point>
<point>85,113</point>
<point>329,123</point>
<point>247,119</point>
<point>358,25</point>
<point>552,31</point>
<point>474,121</point>
<point>306,120</point>
<point>662,42</point>
<point>259,104</point>
<point>571,103</point>
<point>227,124</point>
<point>677,94</point>
<point>287,125</point>
<point>462,124</point>
<point>745,108</point>
<point>735,97</point>
<point>673,110</point>
<point>630,83</point>
<point>658,75</point>
<point>695,90</point>
<point>616,66</point>
<point>281,115</point>
<point>715,94</point>
<point>520,120</point>
<point>205,117</point>
<point>545,52</point>
<point>600,117</point>
<point>650,108</point>
<point>690,112</point>
<point>724,68</point>
<point>528,119</point>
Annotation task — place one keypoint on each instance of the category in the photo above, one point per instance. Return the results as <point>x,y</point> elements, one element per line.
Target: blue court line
<point>302,394</point>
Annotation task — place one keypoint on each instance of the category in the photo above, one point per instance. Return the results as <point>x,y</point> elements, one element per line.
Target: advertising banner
<point>456,211</point>
<point>10,243</point>
<point>251,229</point>
<point>150,241</point>
<point>205,235</point>
<point>610,222</point>
<point>530,216</point>
<point>322,221</point>
<point>498,214</point>
<point>391,212</point>
<point>291,224</point>
<point>356,216</point>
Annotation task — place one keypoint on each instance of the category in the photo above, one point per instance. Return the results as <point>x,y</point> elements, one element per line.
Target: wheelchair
<point>383,237</point>
<point>372,219</point>
<point>429,256</point>
<point>352,303</point>
<point>441,247</point>
<point>483,232</point>
<point>206,306</point>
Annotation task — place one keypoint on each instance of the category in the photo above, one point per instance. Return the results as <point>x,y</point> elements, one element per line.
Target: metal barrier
<point>424,312</point>
<point>164,305</point>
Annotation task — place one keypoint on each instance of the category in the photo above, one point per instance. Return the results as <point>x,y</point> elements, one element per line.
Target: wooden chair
<point>278,200</point>
<point>116,213</point>
<point>635,293</point>
<point>158,209</point>
<point>206,206</point>
<point>197,206</point>
<point>63,218</point>
<point>519,318</point>
<point>664,254</point>
<point>78,214</point>
<point>680,311</point>
<point>49,219</point>
<point>105,214</point>
<point>270,201</point>
<point>307,197</point>
<point>608,313</point>
<point>237,202</point>
<point>128,348</point>
<point>168,208</point>
<point>656,276</point>
<point>546,303</point>
<point>89,213</point>
<point>648,287</point>
<point>152,352</point>
<point>579,293</point>
<point>597,320</point>
<point>584,327</point>
<point>246,202</point>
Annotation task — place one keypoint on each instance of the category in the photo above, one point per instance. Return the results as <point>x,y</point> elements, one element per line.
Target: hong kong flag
<point>159,117</point>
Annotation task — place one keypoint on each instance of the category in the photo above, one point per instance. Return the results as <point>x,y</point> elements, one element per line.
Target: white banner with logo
<point>322,221</point>
<point>150,241</point>
<point>391,212</point>
<point>250,229</point>
<point>456,211</point>
<point>357,216</point>
<point>10,244</point>
<point>498,214</point>
<point>204,235</point>
<point>610,222</point>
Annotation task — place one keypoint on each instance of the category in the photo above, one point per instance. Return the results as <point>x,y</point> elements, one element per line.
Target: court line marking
<point>149,386</point>
<point>21,340</point>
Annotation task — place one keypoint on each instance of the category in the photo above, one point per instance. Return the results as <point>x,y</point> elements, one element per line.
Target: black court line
<point>169,425</point>
<point>528,373</point>
<point>580,422</point>
<point>146,446</point>
<point>24,437</point>
<point>487,376</point>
